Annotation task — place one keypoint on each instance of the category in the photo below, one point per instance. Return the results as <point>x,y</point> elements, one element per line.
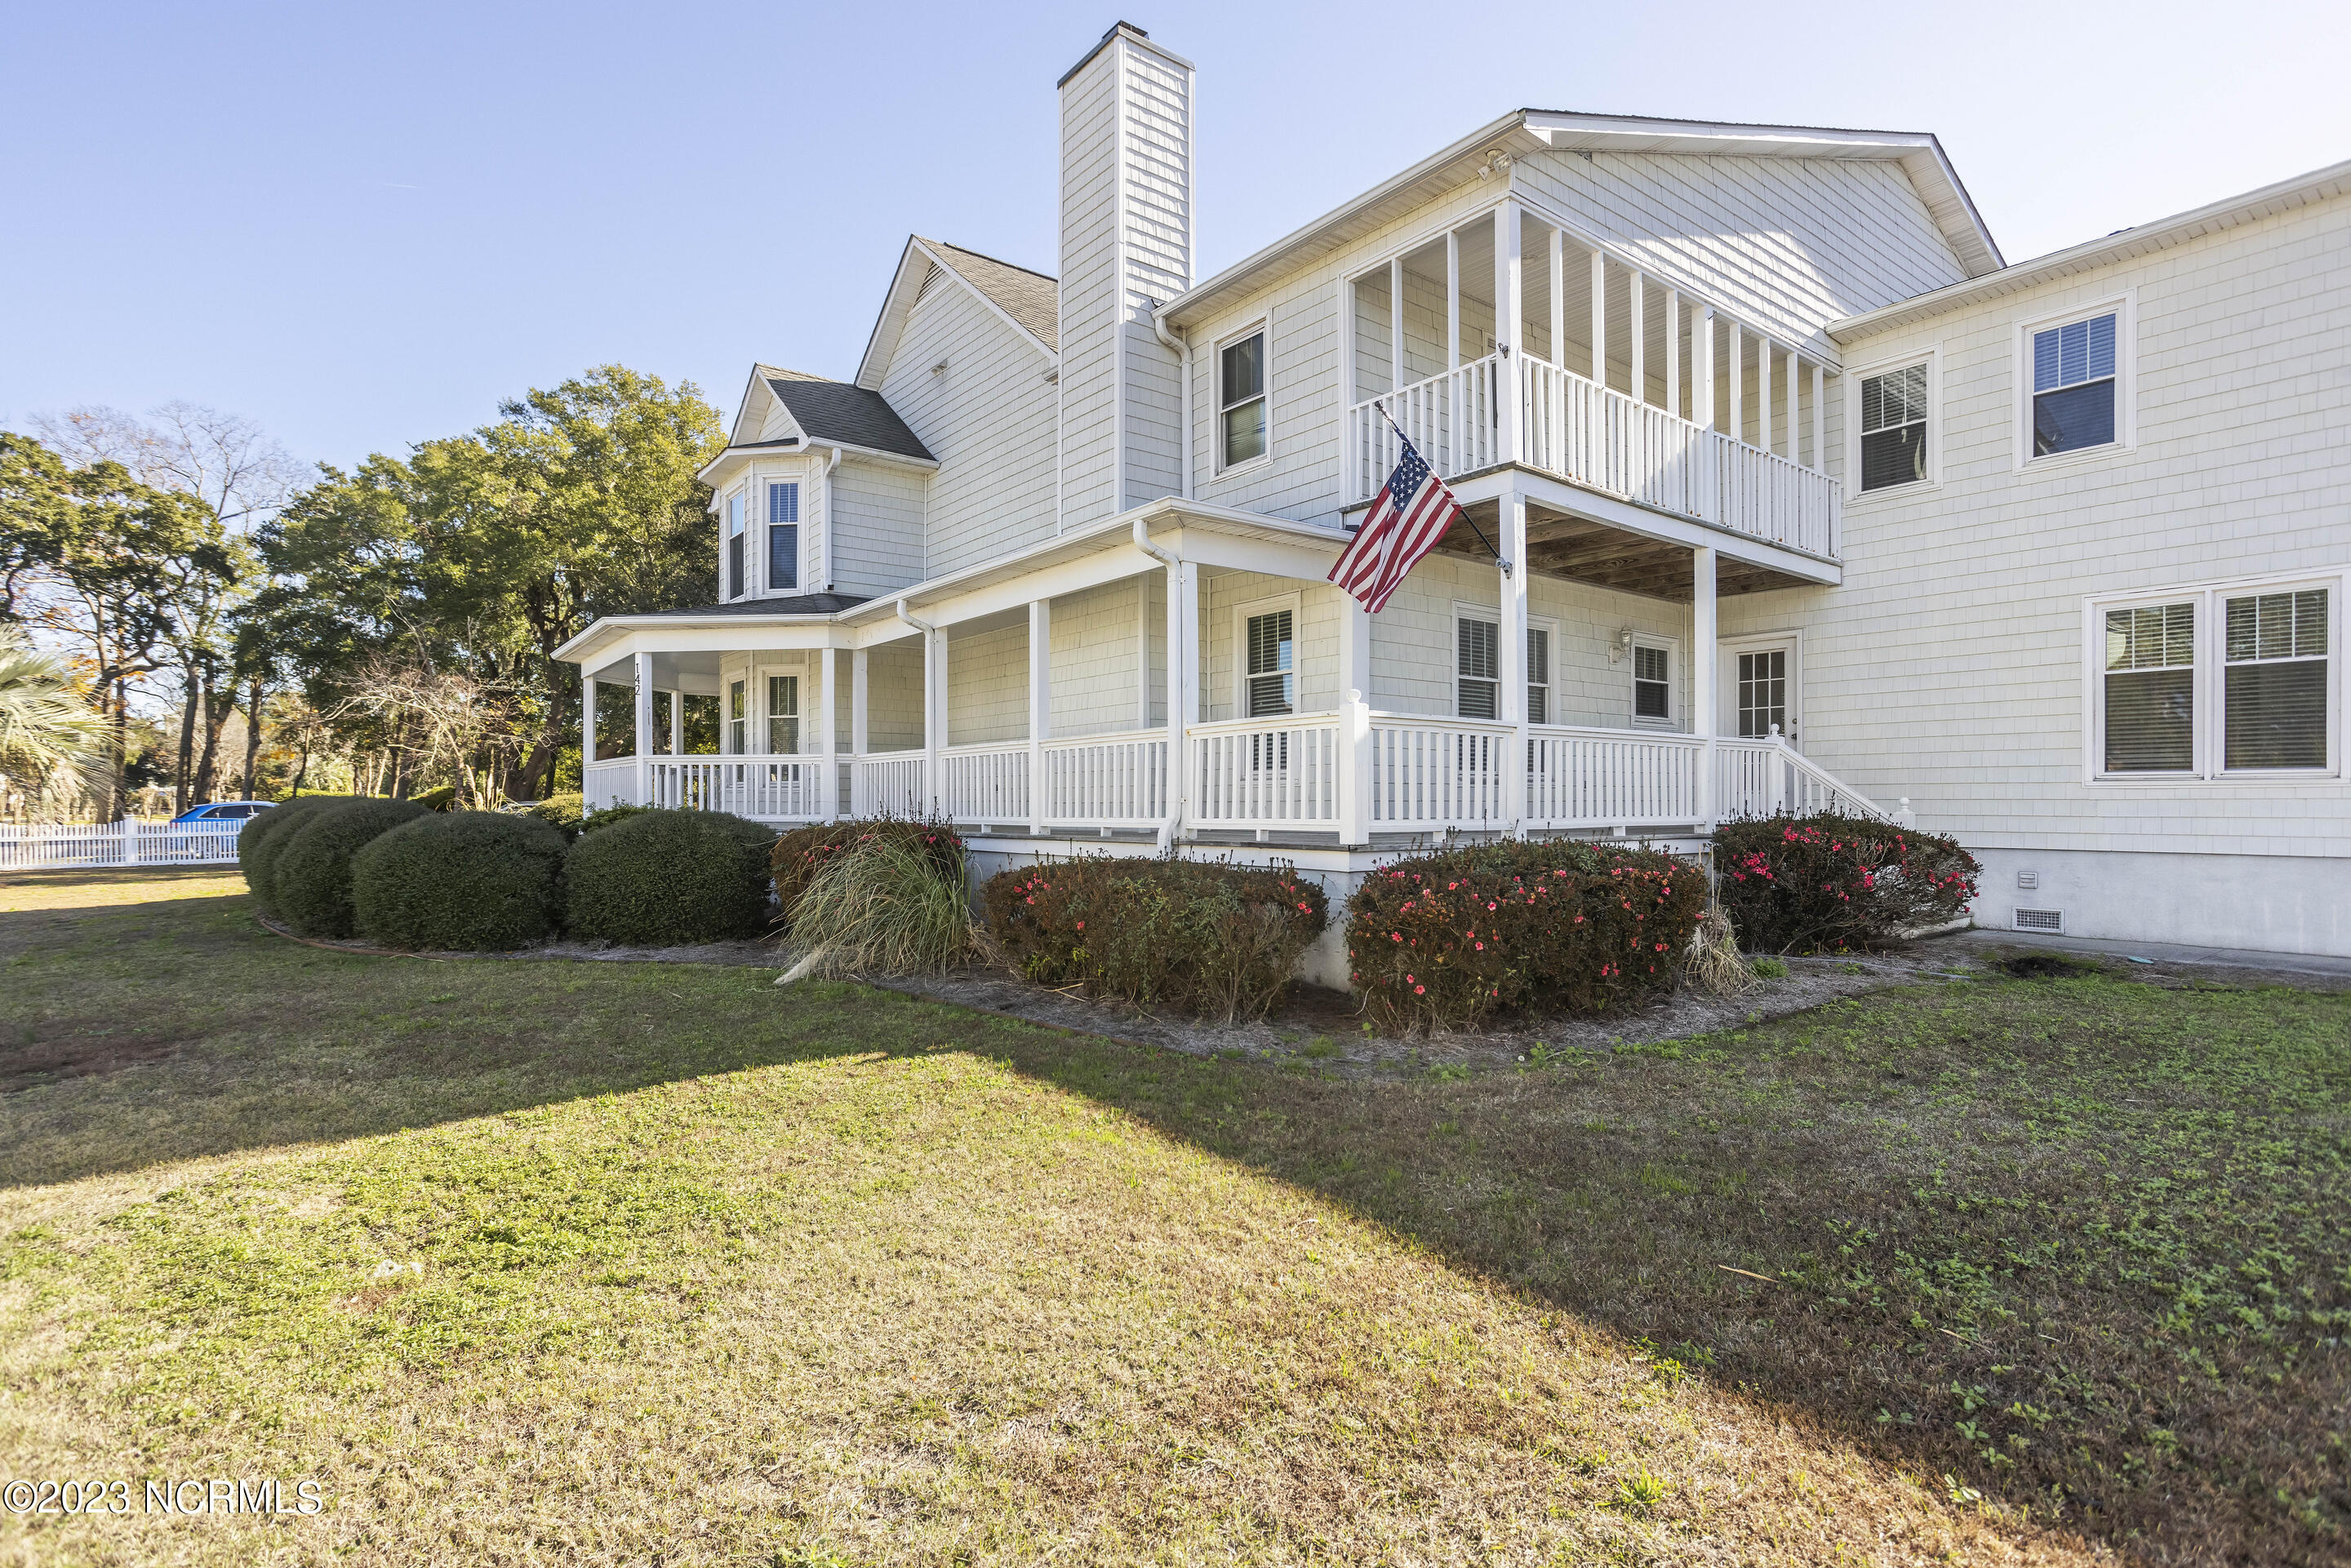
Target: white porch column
<point>828,798</point>
<point>1600,317</point>
<point>1709,471</point>
<point>1702,664</point>
<point>1512,636</point>
<point>1738,381</point>
<point>677,723</point>
<point>1673,353</point>
<point>1509,333</point>
<point>644,673</point>
<point>1452,298</point>
<point>1636,288</point>
<point>1040,703</point>
<point>1557,305</point>
<point>1142,650</point>
<point>587,741</point>
<point>1820,419</point>
<point>1396,324</point>
<point>859,805</point>
<point>1355,759</point>
<point>935,714</point>
<point>1183,690</point>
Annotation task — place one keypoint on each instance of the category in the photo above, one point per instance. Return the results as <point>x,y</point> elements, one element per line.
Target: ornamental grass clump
<point>665,878</point>
<point>884,903</point>
<point>460,881</point>
<point>1832,884</point>
<point>1215,939</point>
<point>1448,939</point>
<point>801,855</point>
<point>311,882</point>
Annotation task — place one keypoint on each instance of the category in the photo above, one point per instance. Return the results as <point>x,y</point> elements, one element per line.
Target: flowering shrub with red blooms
<point>799,853</point>
<point>1440,941</point>
<point>1795,885</point>
<point>1210,937</point>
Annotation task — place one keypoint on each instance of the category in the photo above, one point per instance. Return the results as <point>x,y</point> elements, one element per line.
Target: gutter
<point>1183,350</point>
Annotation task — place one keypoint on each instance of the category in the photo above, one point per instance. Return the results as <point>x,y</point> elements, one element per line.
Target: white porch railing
<point>1252,773</point>
<point>888,783</point>
<point>1430,774</point>
<point>1769,778</point>
<point>60,845</point>
<point>985,784</point>
<point>769,788</point>
<point>1602,440</point>
<point>1107,780</point>
<point>1612,778</point>
<point>611,782</point>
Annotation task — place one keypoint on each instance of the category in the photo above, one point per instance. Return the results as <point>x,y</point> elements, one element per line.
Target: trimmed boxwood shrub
<point>663,878</point>
<point>1833,882</point>
<point>561,812</point>
<point>1206,936</point>
<point>263,836</point>
<point>312,879</point>
<point>1443,940</point>
<point>460,880</point>
<point>800,854</point>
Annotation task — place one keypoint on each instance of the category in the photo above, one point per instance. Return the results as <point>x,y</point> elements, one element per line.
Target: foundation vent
<point>2040,920</point>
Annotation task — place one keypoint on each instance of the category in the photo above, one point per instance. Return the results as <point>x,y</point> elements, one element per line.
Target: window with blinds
<point>1271,670</point>
<point>784,715</point>
<point>1893,428</point>
<point>2073,386</point>
<point>2150,674</point>
<point>1653,682</point>
<point>734,547</point>
<point>783,536</point>
<point>1240,398</point>
<point>2273,694</point>
<point>1538,675</point>
<point>1477,668</point>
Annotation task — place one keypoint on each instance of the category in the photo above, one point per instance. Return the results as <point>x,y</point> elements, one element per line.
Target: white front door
<point>1762,687</point>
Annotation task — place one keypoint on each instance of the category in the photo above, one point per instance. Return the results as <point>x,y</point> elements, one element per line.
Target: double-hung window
<point>783,536</point>
<point>1272,671</point>
<point>734,586</point>
<point>2212,683</point>
<point>1478,666</point>
<point>1653,684</point>
<point>1240,400</point>
<point>738,717</point>
<point>2073,385</point>
<point>1538,675</point>
<point>784,716</point>
<point>1893,428</point>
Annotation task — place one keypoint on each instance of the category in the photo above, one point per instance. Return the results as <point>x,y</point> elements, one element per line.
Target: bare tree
<point>444,718</point>
<point>231,465</point>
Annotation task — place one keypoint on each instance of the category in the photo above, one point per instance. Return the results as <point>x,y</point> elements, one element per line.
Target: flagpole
<point>1500,560</point>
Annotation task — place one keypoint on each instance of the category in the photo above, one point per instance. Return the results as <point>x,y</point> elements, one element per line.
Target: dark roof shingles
<point>1029,297</point>
<point>787,604</point>
<point>839,411</point>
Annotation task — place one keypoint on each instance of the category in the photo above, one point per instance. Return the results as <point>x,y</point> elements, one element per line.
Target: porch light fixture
<point>1619,649</point>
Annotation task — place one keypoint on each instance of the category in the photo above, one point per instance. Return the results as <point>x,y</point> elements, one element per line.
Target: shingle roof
<point>840,410</point>
<point>789,604</point>
<point>1031,298</point>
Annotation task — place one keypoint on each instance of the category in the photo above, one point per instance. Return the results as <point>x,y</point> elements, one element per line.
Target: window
<point>2274,694</point>
<point>1240,400</point>
<point>1538,675</point>
<point>734,584</point>
<point>2151,689</point>
<point>1763,693</point>
<point>783,714</point>
<point>1272,668</point>
<point>739,718</point>
<point>2211,683</point>
<point>1893,428</point>
<point>1478,667</point>
<point>783,536</point>
<point>2073,386</point>
<point>1653,684</point>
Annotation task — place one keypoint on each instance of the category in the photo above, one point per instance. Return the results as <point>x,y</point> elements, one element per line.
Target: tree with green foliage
<point>52,745</point>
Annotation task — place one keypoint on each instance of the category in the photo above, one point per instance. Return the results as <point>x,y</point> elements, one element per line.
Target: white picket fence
<point>63,845</point>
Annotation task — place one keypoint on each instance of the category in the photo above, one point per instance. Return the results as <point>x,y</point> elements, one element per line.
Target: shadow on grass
<point>1957,1225</point>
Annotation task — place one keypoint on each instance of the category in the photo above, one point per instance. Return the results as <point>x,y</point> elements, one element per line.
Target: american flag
<point>1403,525</point>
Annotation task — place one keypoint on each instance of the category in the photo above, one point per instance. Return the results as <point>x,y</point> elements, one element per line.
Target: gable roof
<point>2318,185</point>
<point>1526,130</point>
<point>829,411</point>
<point>1028,302</point>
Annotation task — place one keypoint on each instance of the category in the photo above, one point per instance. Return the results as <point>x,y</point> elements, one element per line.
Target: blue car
<point>222,812</point>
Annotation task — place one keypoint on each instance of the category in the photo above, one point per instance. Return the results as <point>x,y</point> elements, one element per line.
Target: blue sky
<point>362,225</point>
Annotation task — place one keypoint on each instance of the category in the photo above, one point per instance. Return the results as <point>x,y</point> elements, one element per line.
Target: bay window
<point>783,536</point>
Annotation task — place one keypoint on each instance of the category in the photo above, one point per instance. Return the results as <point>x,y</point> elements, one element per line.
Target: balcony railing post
<point>1355,771</point>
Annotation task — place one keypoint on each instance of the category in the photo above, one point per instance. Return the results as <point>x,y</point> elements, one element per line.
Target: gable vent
<point>2040,920</point>
<point>928,278</point>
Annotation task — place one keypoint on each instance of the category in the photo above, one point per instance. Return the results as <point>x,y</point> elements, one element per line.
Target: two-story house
<point>1783,491</point>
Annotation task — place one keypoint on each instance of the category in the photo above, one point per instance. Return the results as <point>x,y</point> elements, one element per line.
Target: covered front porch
<point>1040,700</point>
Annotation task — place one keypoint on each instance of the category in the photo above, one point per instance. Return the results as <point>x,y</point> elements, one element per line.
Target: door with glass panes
<point>1760,689</point>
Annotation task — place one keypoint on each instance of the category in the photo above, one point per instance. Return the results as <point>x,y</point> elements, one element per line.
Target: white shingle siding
<point>1950,666</point>
<point>877,522</point>
<point>1156,168</point>
<point>988,418</point>
<point>1089,290</point>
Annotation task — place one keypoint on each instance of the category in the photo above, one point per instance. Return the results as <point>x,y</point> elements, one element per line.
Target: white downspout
<point>933,701</point>
<point>1183,347</point>
<point>1179,652</point>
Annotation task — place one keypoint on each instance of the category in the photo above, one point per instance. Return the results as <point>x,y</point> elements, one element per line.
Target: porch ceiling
<point>1580,551</point>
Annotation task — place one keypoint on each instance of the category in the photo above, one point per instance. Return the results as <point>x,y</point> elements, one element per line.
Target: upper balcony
<point>1591,372</point>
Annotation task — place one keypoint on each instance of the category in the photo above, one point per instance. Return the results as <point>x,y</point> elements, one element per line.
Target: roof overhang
<point>2318,185</point>
<point>914,264</point>
<point>714,471</point>
<point>1535,129</point>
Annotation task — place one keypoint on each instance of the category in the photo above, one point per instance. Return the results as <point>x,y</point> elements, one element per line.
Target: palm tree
<point>52,743</point>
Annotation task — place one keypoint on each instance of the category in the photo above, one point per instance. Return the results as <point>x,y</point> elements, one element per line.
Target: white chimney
<point>1127,244</point>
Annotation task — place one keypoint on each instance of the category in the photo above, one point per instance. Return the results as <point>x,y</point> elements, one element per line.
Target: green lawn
<point>543,1262</point>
